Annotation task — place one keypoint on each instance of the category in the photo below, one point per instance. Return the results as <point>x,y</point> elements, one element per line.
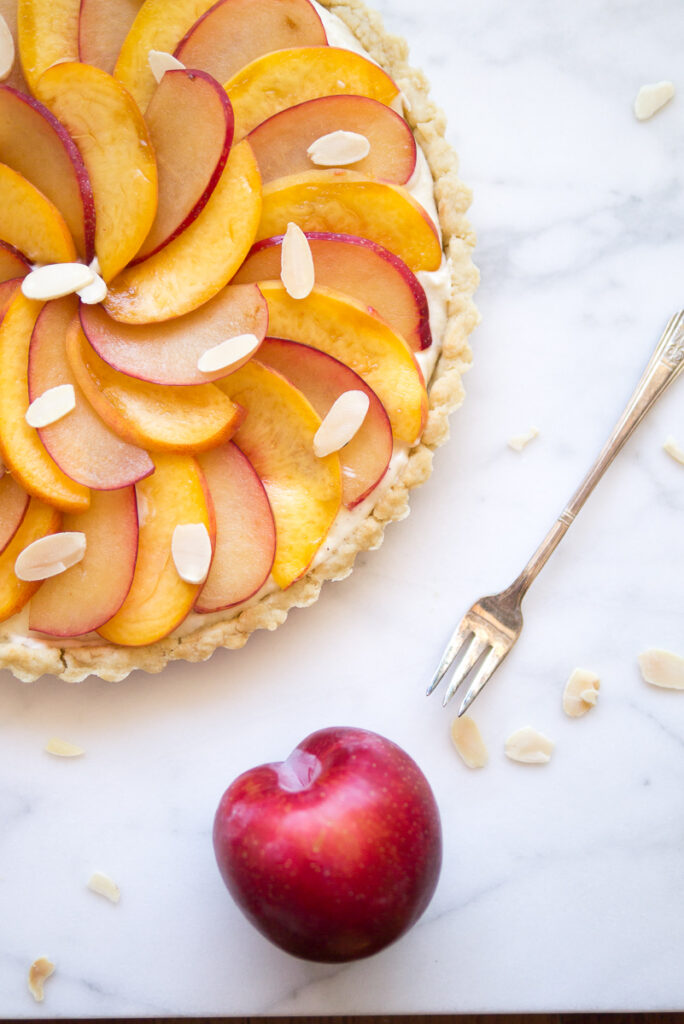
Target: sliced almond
<point>468,742</point>
<point>94,292</point>
<point>296,263</point>
<point>228,353</point>
<point>191,551</point>
<point>62,748</point>
<point>95,265</point>
<point>342,421</point>
<point>51,406</point>
<point>55,280</point>
<point>528,746</point>
<point>39,971</point>
<point>675,450</point>
<point>103,885</point>
<point>337,149</point>
<point>662,668</point>
<point>519,441</point>
<point>581,692</point>
<point>160,62</point>
<point>651,98</point>
<point>6,50</point>
<point>48,556</point>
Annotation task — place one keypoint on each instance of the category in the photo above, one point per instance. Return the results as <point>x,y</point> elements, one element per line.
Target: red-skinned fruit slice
<point>102,28</point>
<point>75,602</point>
<point>235,32</point>
<point>360,268</point>
<point>168,352</point>
<point>30,223</point>
<point>8,9</point>
<point>80,443</point>
<point>8,290</point>
<point>13,264</point>
<point>39,521</point>
<point>13,504</point>
<point>322,379</point>
<point>245,530</point>
<point>190,121</point>
<point>47,33</point>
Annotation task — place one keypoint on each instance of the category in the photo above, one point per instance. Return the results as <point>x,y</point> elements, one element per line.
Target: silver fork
<point>490,628</point>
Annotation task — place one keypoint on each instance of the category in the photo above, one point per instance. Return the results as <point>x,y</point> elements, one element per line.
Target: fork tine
<point>472,655</point>
<point>482,676</point>
<point>458,638</point>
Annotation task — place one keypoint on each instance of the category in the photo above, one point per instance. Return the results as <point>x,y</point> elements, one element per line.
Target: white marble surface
<point>561,887</point>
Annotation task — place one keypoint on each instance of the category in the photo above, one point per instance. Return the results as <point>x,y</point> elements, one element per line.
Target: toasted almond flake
<point>51,406</point>
<point>673,448</point>
<point>54,280</point>
<point>103,885</point>
<point>519,441</point>
<point>652,98</point>
<point>662,668</point>
<point>6,50</point>
<point>48,556</point>
<point>62,748</point>
<point>191,551</point>
<point>228,353</point>
<point>342,421</point>
<point>160,62</point>
<point>339,148</point>
<point>468,742</point>
<point>296,263</point>
<point>528,746</point>
<point>581,692</point>
<point>94,292</point>
<point>39,971</point>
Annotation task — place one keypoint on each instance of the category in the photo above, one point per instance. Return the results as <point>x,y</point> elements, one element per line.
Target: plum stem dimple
<point>298,772</point>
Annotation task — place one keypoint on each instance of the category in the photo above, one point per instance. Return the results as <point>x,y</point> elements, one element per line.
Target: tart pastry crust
<point>29,659</point>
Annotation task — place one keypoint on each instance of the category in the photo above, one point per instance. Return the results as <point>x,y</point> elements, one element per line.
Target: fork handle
<point>665,365</point>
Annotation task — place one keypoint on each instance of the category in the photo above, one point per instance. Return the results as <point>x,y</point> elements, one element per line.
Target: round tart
<point>236,293</point>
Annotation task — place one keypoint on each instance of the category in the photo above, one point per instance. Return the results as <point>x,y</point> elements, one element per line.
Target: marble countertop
<point>561,886</point>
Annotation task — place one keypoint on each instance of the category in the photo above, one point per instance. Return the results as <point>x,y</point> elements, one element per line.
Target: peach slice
<point>116,149</point>
<point>159,599</point>
<point>20,446</point>
<point>190,121</point>
<point>8,9</point>
<point>47,32</point>
<point>13,264</point>
<point>343,327</point>
<point>235,32</point>
<point>288,77</point>
<point>13,504</point>
<point>8,290</point>
<point>322,379</point>
<point>102,28</point>
<point>245,530</point>
<point>348,203</point>
<point>76,602</point>
<point>31,223</point>
<point>192,268</point>
<point>277,438</point>
<point>34,143</point>
<point>168,353</point>
<point>81,444</point>
<point>39,521</point>
<point>155,416</point>
<point>360,268</point>
<point>280,143</point>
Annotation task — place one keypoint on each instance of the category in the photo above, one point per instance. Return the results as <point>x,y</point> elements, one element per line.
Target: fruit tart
<point>235,299</point>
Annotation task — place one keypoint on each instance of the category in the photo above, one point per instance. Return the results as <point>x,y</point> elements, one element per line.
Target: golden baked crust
<point>30,659</point>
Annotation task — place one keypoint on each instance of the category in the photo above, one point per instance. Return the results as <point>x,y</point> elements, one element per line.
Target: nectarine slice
<point>343,327</point>
<point>159,599</point>
<point>102,28</point>
<point>234,32</point>
<point>154,416</point>
<point>13,504</point>
<point>197,264</point>
<point>115,145</point>
<point>348,203</point>
<point>277,437</point>
<point>39,521</point>
<point>284,78</point>
<point>20,446</point>
<point>75,602</point>
<point>8,9</point>
<point>322,379</point>
<point>8,290</point>
<point>31,223</point>
<point>47,32</point>
<point>12,263</point>
<point>168,352</point>
<point>245,530</point>
<point>80,443</point>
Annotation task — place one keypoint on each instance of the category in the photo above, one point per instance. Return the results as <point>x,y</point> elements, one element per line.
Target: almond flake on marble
<point>296,263</point>
<point>6,50</point>
<point>227,353</point>
<point>39,971</point>
<point>674,449</point>
<point>103,885</point>
<point>662,668</point>
<point>191,551</point>
<point>468,741</point>
<point>54,280</point>
<point>342,421</point>
<point>651,98</point>
<point>339,148</point>
<point>581,692</point>
<point>51,555</point>
<point>62,748</point>
<point>94,292</point>
<point>51,406</point>
<point>520,441</point>
<point>160,62</point>
<point>528,746</point>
